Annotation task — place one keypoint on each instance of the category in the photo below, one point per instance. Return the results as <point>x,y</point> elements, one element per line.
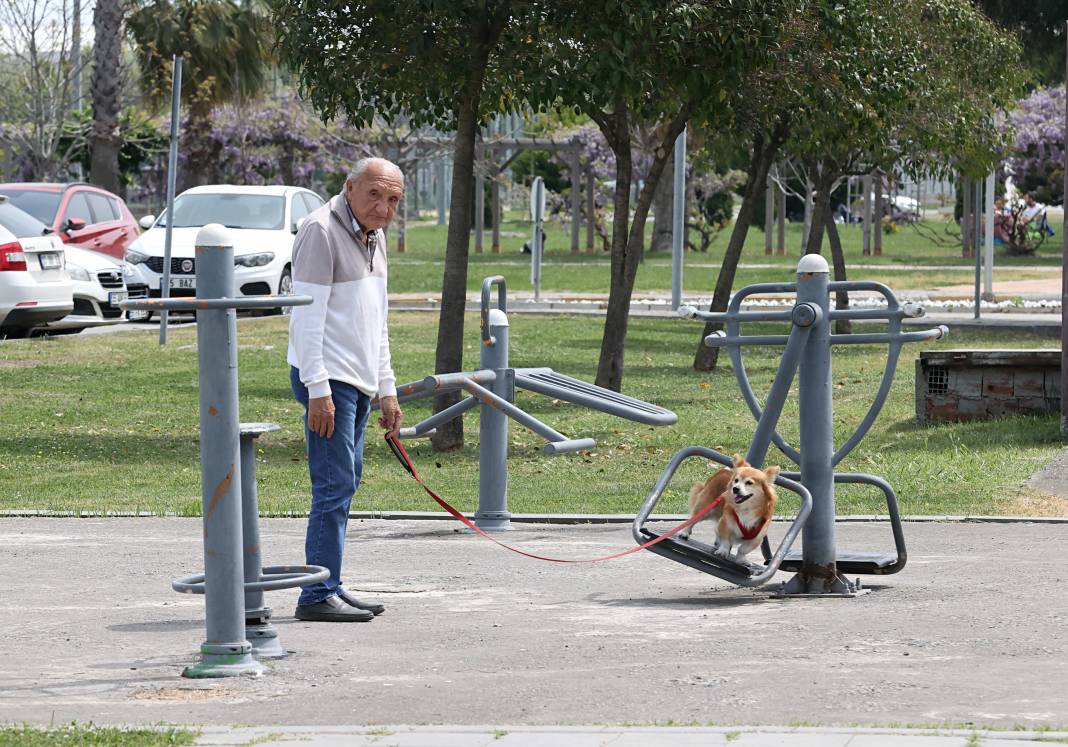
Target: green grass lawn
<point>419,268</point>
<point>88,735</point>
<point>110,423</point>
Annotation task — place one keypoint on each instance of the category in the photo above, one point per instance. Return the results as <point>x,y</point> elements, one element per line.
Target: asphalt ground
<point>971,634</point>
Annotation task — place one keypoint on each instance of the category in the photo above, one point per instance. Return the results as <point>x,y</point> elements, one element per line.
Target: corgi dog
<point>742,518</point>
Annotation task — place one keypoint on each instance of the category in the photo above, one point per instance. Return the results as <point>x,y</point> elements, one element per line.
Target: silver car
<point>34,287</point>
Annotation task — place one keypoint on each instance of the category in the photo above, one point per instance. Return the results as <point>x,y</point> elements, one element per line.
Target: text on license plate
<point>115,297</point>
<point>50,260</point>
<point>183,282</point>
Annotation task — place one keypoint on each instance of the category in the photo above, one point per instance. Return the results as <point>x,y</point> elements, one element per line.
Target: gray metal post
<point>819,574</point>
<point>988,243</point>
<point>977,228</point>
<point>576,196</point>
<point>226,651</point>
<point>537,213</point>
<point>678,220</point>
<point>877,218</point>
<point>172,172</point>
<point>807,225</point>
<point>493,512</point>
<point>866,215</point>
<point>258,628</point>
<point>781,248</point>
<point>496,197</point>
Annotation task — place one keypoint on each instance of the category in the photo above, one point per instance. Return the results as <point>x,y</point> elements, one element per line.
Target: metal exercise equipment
<point>237,621</point>
<point>820,568</point>
<point>493,387</point>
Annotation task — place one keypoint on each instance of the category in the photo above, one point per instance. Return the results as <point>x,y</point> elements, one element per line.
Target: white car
<point>34,289</point>
<point>99,286</point>
<point>262,223</point>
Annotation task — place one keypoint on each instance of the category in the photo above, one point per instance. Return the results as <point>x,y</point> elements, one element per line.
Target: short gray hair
<point>365,163</point>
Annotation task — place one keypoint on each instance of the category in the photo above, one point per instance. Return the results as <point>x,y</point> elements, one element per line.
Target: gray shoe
<point>361,604</point>
<point>332,609</point>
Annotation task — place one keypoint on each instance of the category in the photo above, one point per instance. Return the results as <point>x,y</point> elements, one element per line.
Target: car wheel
<point>285,288</point>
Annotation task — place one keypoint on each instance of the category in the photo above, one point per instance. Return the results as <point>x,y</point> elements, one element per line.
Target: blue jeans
<point>335,465</point>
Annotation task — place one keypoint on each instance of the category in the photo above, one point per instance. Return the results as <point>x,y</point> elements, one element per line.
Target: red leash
<point>406,462</point>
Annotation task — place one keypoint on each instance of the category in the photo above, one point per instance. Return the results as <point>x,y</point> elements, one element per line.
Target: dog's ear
<point>739,461</point>
<point>771,473</point>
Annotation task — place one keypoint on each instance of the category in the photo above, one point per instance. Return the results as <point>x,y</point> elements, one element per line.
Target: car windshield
<point>265,212</point>
<point>20,223</point>
<point>38,203</point>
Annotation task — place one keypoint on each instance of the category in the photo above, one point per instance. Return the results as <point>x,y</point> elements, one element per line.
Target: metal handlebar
<point>195,304</point>
<point>502,295</point>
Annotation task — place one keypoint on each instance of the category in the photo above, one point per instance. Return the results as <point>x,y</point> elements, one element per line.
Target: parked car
<point>262,222</point>
<point>34,289</point>
<point>78,213</point>
<point>99,285</point>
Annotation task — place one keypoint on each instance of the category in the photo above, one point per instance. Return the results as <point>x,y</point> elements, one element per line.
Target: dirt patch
<point>19,364</point>
<point>1034,503</point>
<point>186,693</point>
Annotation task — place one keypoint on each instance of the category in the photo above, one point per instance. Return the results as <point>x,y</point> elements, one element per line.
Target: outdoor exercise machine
<point>492,386</point>
<point>820,568</point>
<point>238,623</point>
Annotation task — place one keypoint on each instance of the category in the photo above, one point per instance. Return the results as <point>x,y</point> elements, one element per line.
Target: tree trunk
<point>104,139</point>
<point>765,149</point>
<point>627,246</point>
<point>449,355</point>
<point>841,298</point>
<point>663,210</point>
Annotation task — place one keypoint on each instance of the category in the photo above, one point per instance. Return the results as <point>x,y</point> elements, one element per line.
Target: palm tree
<point>105,86</point>
<point>226,51</point>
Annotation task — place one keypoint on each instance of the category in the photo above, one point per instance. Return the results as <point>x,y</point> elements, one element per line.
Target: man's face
<point>1029,200</point>
<point>374,198</point>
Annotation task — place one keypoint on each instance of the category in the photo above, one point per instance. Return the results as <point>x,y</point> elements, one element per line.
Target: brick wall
<point>955,385</point>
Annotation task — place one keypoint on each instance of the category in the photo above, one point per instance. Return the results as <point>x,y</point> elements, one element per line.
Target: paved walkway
<point>968,635</point>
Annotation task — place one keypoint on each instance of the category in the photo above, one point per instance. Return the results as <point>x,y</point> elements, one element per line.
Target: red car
<point>78,213</point>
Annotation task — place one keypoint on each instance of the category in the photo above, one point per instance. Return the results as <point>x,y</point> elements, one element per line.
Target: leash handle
<point>402,456</point>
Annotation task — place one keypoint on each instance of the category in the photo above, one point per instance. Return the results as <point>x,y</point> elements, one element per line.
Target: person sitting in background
<point>1002,222</point>
<point>1032,211</point>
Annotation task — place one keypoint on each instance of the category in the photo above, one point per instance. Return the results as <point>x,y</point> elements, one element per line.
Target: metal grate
<point>156,265</point>
<point>937,380</point>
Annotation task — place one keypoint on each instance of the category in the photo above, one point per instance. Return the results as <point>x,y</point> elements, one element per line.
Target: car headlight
<point>77,272</point>
<point>135,257</point>
<point>254,260</point>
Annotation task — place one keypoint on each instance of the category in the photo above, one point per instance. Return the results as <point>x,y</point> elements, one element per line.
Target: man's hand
<point>321,416</point>
<point>391,415</point>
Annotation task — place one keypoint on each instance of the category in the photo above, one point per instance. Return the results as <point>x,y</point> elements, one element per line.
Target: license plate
<point>50,260</point>
<point>183,282</point>
<point>115,297</point>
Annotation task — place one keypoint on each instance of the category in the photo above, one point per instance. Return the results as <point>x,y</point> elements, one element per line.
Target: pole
<point>807,226</point>
<point>678,220</point>
<point>537,209</point>
<point>493,514</point>
<point>977,202</point>
<point>226,651</point>
<point>865,228</point>
<point>576,195</point>
<point>480,202</point>
<point>440,190</point>
<point>76,54</point>
<point>1064,269</point>
<point>769,212</point>
<point>877,218</point>
<point>988,243</point>
<point>589,210</point>
<point>172,174</point>
<point>781,248</point>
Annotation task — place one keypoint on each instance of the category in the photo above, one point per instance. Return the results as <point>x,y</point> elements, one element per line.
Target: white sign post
<point>537,213</point>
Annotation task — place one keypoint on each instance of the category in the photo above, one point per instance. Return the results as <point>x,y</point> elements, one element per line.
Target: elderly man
<point>339,360</point>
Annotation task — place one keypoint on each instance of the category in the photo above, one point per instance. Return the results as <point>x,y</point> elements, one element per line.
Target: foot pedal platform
<point>869,564</point>
<point>698,555</point>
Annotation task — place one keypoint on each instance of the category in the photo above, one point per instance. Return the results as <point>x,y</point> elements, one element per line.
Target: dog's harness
<point>406,462</point>
<point>749,533</point>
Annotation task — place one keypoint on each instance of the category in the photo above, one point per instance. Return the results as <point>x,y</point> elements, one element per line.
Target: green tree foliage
<point>1039,26</point>
<point>648,64</point>
<point>448,64</point>
<point>226,50</point>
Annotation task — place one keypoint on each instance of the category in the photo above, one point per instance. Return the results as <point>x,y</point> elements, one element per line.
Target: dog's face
<point>751,484</point>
